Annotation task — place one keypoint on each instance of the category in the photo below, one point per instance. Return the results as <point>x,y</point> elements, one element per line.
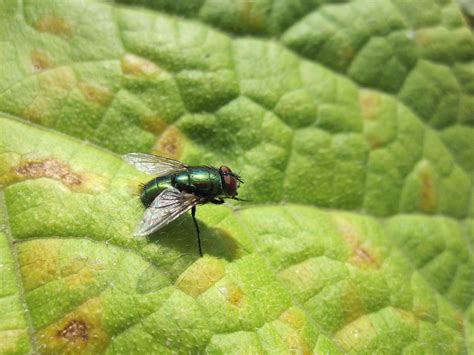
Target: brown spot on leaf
<point>40,61</point>
<point>50,168</point>
<point>54,169</point>
<point>427,196</point>
<point>170,144</point>
<point>95,93</point>
<point>54,25</point>
<point>362,256</point>
<point>74,330</point>
<point>135,65</point>
<point>79,332</point>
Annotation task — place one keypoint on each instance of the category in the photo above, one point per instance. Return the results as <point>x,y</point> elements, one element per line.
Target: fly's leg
<point>193,213</point>
<point>217,201</point>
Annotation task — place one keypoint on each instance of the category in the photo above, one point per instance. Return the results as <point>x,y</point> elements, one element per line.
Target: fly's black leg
<point>193,213</point>
<point>217,201</point>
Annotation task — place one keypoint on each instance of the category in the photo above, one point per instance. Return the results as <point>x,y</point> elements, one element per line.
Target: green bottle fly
<point>178,188</point>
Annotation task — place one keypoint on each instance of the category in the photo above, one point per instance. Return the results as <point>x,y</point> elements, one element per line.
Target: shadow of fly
<point>177,188</point>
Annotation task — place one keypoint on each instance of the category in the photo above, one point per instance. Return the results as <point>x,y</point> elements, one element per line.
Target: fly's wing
<point>154,165</point>
<point>165,208</point>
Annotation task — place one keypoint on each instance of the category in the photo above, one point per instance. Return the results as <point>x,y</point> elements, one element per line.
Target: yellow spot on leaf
<point>54,85</point>
<point>297,345</point>
<point>200,276</point>
<point>170,144</point>
<point>232,293</point>
<point>11,338</point>
<point>294,317</point>
<point>135,65</point>
<point>37,109</point>
<point>39,262</point>
<point>95,93</point>
<point>54,25</point>
<point>41,61</point>
<point>356,335</point>
<point>62,79</point>
<point>79,271</point>
<point>154,124</point>
<point>351,302</point>
<point>80,331</point>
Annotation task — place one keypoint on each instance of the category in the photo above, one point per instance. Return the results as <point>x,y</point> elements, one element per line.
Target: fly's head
<point>230,181</point>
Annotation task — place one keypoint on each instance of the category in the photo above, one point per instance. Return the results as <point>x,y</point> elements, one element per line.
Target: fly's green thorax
<point>201,180</point>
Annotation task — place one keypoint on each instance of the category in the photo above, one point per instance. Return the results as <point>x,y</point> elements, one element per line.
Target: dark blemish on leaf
<point>427,196</point>
<point>54,25</point>
<point>74,330</point>
<point>95,93</point>
<point>40,61</point>
<point>170,144</point>
<point>364,258</point>
<point>49,168</point>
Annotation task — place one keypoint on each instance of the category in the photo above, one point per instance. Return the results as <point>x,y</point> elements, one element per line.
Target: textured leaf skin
<point>351,123</point>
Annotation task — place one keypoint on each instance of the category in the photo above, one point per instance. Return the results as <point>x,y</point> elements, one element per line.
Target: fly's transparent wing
<point>165,208</point>
<point>154,165</point>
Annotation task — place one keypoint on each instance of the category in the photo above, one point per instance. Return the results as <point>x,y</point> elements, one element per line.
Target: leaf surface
<point>350,122</point>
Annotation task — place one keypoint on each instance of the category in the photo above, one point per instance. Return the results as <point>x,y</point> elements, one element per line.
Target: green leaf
<point>350,122</point>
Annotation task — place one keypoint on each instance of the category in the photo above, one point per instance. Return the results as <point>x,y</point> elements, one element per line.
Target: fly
<point>178,188</point>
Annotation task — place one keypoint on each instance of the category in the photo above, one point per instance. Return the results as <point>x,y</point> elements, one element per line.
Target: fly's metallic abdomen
<point>153,188</point>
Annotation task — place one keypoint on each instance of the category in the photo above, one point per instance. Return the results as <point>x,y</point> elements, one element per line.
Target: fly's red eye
<point>229,183</point>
